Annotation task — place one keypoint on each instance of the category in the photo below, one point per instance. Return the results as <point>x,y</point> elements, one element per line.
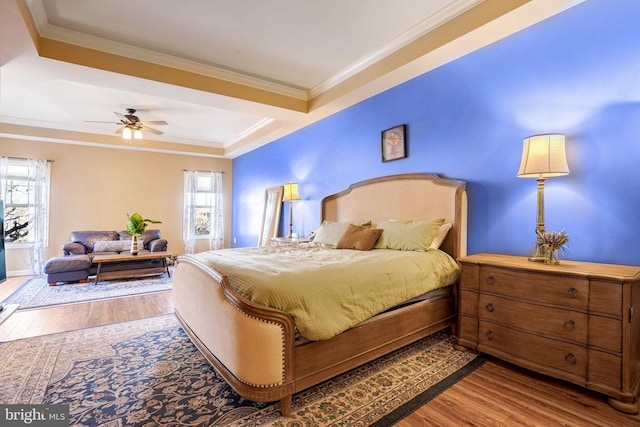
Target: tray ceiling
<point>228,77</point>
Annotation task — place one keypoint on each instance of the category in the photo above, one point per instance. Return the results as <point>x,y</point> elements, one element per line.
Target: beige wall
<point>93,188</point>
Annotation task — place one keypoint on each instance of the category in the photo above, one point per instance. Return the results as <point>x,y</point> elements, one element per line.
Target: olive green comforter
<point>327,290</point>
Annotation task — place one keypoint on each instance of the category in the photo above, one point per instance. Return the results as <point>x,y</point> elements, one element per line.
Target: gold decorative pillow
<point>408,235</point>
<point>359,238</point>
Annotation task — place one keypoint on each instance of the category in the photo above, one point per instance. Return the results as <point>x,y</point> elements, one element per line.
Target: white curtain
<point>39,177</point>
<point>4,171</point>
<point>189,211</point>
<point>210,201</point>
<point>216,227</point>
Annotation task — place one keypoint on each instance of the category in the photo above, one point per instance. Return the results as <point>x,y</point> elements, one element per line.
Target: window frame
<point>23,164</point>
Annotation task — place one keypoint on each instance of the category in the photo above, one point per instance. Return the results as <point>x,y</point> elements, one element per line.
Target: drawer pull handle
<point>489,334</point>
<point>571,293</point>
<point>570,359</point>
<point>569,325</point>
<point>490,280</point>
<point>489,307</point>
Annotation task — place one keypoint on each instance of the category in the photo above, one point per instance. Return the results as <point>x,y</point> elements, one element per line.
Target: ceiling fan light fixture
<point>126,133</point>
<point>137,134</point>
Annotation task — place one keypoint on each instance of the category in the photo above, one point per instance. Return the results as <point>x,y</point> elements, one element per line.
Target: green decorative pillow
<point>330,232</point>
<point>408,235</point>
<point>359,238</point>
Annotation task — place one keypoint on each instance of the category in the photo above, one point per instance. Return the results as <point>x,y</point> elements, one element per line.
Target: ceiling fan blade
<point>121,129</point>
<point>148,129</point>
<point>154,122</point>
<point>123,118</point>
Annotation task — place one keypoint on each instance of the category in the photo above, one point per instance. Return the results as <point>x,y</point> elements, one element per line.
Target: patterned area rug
<point>37,293</point>
<point>147,373</point>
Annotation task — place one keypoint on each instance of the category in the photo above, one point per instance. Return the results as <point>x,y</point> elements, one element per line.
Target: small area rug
<point>147,373</point>
<point>36,292</point>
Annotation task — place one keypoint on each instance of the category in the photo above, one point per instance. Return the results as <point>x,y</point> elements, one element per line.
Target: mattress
<point>328,290</point>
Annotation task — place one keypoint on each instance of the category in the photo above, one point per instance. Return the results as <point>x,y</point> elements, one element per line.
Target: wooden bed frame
<point>253,346</point>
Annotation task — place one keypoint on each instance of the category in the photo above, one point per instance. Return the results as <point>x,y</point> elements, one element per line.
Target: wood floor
<point>496,394</point>
<point>30,323</point>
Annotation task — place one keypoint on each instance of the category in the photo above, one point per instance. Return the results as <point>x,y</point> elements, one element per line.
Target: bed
<point>258,350</point>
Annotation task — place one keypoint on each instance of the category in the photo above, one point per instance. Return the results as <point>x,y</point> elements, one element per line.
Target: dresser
<point>575,321</point>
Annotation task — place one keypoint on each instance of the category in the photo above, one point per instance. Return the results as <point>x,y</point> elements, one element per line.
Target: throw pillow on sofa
<point>112,246</point>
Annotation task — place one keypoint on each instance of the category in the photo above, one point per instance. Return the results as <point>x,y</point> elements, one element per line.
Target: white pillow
<point>442,234</point>
<point>111,245</point>
<point>330,232</point>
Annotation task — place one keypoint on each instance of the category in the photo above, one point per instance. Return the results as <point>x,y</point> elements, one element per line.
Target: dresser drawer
<point>542,320</point>
<point>533,348</point>
<point>570,292</point>
<point>605,368</point>
<point>606,298</point>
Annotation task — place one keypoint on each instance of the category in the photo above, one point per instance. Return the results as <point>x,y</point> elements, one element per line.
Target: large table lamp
<point>543,156</point>
<point>290,194</point>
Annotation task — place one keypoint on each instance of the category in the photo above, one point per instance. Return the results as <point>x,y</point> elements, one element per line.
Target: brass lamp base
<point>539,254</point>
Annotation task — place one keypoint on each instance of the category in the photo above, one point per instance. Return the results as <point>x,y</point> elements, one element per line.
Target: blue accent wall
<point>577,73</point>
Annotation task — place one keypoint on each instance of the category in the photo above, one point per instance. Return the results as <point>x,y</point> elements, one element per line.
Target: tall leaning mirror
<point>271,215</point>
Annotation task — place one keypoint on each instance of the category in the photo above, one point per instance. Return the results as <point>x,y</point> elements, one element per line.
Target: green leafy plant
<point>138,225</point>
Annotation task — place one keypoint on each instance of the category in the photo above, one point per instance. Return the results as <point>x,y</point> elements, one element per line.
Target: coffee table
<point>106,259</point>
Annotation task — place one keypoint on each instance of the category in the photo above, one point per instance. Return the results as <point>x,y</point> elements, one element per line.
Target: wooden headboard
<point>413,196</point>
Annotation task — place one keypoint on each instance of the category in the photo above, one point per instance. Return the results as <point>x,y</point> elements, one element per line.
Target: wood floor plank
<point>500,394</point>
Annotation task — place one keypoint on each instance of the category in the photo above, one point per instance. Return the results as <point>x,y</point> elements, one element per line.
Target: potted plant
<point>136,226</point>
<point>553,241</point>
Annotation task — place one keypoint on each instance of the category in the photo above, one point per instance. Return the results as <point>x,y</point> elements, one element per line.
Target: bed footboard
<point>251,346</point>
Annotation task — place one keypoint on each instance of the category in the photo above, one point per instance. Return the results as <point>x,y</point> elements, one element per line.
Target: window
<point>21,199</point>
<point>203,209</point>
<point>204,201</point>
<point>24,188</point>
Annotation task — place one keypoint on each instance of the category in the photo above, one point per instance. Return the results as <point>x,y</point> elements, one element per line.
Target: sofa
<point>78,252</point>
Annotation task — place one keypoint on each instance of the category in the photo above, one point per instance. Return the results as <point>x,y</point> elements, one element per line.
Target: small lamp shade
<point>543,156</point>
<point>137,134</point>
<point>290,192</point>
<point>126,133</point>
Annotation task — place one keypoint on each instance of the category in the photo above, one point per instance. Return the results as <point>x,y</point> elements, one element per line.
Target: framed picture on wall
<point>394,143</point>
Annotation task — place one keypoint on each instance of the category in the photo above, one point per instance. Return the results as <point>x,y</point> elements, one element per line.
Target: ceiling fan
<point>133,126</point>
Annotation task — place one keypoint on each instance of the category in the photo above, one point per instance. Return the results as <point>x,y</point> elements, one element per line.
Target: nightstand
<point>574,321</point>
<point>288,241</point>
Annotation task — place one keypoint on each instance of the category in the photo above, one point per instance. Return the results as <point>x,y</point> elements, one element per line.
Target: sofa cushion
<point>67,263</point>
<point>74,248</point>
<point>88,238</point>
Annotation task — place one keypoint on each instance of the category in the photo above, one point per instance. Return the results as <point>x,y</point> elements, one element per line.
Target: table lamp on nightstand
<point>290,194</point>
<point>543,156</point>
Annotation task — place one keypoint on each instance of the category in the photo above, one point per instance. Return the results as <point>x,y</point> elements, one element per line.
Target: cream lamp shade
<point>126,133</point>
<point>290,192</point>
<point>543,156</point>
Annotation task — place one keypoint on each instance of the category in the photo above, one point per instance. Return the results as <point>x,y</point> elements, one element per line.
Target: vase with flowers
<point>553,241</point>
<point>136,226</point>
